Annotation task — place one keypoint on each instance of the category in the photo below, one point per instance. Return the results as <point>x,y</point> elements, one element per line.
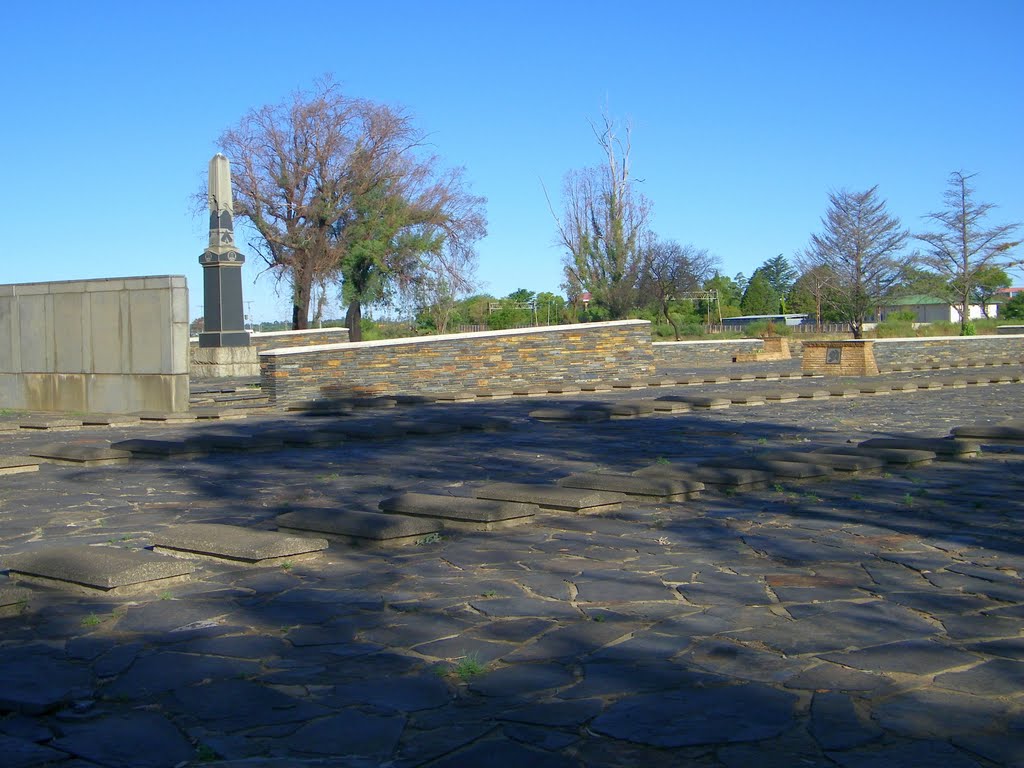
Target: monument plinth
<point>223,315</point>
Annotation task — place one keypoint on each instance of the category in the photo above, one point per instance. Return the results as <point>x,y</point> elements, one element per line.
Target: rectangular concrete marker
<point>990,432</point>
<point>943,447</point>
<point>232,542</point>
<point>363,431</point>
<point>309,437</point>
<point>109,420</point>
<point>460,512</point>
<point>427,427</point>
<point>793,470</point>
<point>742,398</point>
<point>107,569</point>
<point>50,423</point>
<point>370,529</point>
<point>900,456</point>
<point>781,395</point>
<point>647,488</point>
<point>671,406</point>
<point>82,455</point>
<point>844,391</point>
<point>815,394</point>
<point>733,477</point>
<point>166,418</point>
<point>595,386</point>
<point>15,465</point>
<point>219,414</point>
<point>553,497</point>
<point>247,443</point>
<point>837,461</point>
<point>164,449</point>
<point>700,401</point>
<point>581,414</point>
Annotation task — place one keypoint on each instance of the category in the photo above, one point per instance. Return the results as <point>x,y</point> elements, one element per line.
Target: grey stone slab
<point>719,588</point>
<point>876,388</point>
<point>519,680</point>
<point>460,511</point>
<point>670,406</point>
<point>306,437</point>
<point>233,442</point>
<point>933,713</point>
<point>1009,648</point>
<point>99,568</point>
<point>797,470</point>
<point>138,739</point>
<point>733,477</point>
<point>585,414</point>
<point>320,407</point>
<point>455,396</point>
<point>815,394</point>
<point>163,417</point>
<point>652,488</point>
<point>530,390</point>
<point>427,427</point>
<point>938,446</point>
<point>109,420</point>
<point>382,401</point>
<point>49,423</point>
<point>168,449</point>
<point>998,677</point>
<point>781,395</point>
<point>746,398</point>
<point>218,414</point>
<point>837,461</point>
<point>595,386</point>
<point>36,682</point>
<point>828,676</point>
<point>917,657</point>
<point>16,465</point>
<point>896,456</point>
<point>232,542</point>
<point>904,755</point>
<point>738,713</point>
<point>700,401</point>
<point>81,455</point>
<point>835,723</point>
<point>843,390</point>
<point>354,527</point>
<point>563,387</point>
<point>553,497</point>
<point>363,431</point>
<point>990,433</point>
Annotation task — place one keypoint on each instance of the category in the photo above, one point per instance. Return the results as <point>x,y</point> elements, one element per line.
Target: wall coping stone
<point>707,341</point>
<point>450,337</point>
<point>923,339</point>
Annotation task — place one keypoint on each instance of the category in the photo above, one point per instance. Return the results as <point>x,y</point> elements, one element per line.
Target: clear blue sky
<point>745,115</point>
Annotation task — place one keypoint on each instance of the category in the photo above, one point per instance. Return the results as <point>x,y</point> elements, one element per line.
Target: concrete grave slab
<point>943,447</point>
<point>875,389</point>
<point>899,456</point>
<point>234,543</point>
<point>481,422</point>
<point>166,418</point>
<point>320,407</point>
<point>498,393</point>
<point>364,431</point>
<point>700,401</point>
<point>368,529</point>
<point>427,427</point>
<point>781,395</point>
<point>710,476</point>
<point>106,569</point>
<point>50,423</point>
<point>844,391</point>
<point>381,401</point>
<point>460,512</point>
<point>990,432</point>
<point>595,386</point>
<point>82,455</point>
<point>795,470</point>
<point>582,414</point>
<point>563,388</point>
<point>530,390</point>
<point>455,396</point>
<point>309,438</point>
<point>164,449</point>
<point>110,420</point>
<point>644,487</point>
<point>746,398</point>
<point>553,497</point>
<point>218,414</point>
<point>16,465</point>
<point>671,406</point>
<point>815,394</point>
<point>837,461</point>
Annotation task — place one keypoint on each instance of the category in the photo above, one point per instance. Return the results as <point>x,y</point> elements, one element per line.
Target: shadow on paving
<point>855,621</point>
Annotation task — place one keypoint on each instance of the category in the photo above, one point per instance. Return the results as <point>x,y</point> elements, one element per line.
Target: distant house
<point>929,309</point>
<point>742,321</point>
<point>1005,294</point>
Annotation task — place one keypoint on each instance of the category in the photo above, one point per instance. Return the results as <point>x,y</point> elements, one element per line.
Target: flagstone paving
<point>858,619</point>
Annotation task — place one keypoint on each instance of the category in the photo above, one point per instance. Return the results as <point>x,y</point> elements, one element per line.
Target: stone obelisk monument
<point>223,316</point>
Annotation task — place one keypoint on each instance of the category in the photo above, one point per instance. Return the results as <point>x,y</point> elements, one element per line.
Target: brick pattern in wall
<point>476,361</point>
<point>673,355</point>
<point>839,358</point>
<point>948,350</point>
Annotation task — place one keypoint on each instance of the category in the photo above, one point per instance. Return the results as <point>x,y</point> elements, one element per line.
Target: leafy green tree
<point>1014,308</point>
<point>780,274</point>
<point>551,308</point>
<point>810,295</point>
<point>729,295</point>
<point>965,245</point>
<point>988,280</point>
<point>759,298</point>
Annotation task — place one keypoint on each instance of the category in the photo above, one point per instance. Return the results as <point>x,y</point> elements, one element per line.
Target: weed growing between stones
<point>430,538</point>
<point>469,666</point>
<point>92,620</point>
<point>489,593</point>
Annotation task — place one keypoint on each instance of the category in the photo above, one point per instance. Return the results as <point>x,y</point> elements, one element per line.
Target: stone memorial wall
<point>948,350</point>
<point>478,361</point>
<point>112,346</point>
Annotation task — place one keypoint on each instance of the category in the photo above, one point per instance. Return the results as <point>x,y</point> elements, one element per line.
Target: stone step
<point>461,512</point>
<point>530,390</point>
<point>990,432</point>
<point>106,569</point>
<point>876,389</point>
<point>900,456</point>
<point>710,476</point>
<point>16,465</point>
<point>366,529</point>
<point>234,543</point>
<point>553,497</point>
<point>942,446</point>
<point>791,470</point>
<point>638,486</point>
<point>564,388</point>
<point>162,449</point>
<point>837,461</point>
<point>82,455</point>
<point>629,384</point>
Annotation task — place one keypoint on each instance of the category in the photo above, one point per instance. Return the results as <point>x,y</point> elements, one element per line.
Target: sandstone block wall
<point>948,350</point>
<point>673,355</point>
<point>476,361</point>
<point>112,345</point>
<point>840,358</point>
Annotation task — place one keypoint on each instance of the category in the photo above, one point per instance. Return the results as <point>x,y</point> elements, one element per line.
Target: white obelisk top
<point>222,234</point>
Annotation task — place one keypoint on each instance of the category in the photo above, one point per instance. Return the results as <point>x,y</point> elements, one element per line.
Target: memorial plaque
<point>833,356</point>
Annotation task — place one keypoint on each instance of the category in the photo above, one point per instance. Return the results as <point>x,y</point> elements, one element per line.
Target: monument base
<point>224,339</point>
<point>223,362</point>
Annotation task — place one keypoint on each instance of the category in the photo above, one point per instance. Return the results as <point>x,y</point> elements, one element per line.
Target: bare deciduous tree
<point>603,225</point>
<point>964,248</point>
<point>339,187</point>
<point>863,248</point>
<point>670,270</point>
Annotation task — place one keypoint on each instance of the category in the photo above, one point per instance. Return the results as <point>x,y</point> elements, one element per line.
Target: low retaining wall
<point>476,361</point>
<point>704,353</point>
<point>115,345</point>
<point>948,350</point>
